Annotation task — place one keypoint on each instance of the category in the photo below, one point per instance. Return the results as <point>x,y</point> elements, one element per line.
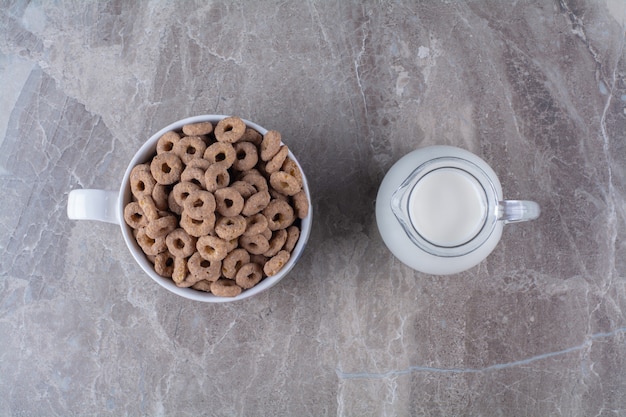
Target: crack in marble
<point>496,367</point>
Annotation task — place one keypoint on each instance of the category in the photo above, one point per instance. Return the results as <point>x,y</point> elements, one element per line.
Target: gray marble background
<point>536,88</point>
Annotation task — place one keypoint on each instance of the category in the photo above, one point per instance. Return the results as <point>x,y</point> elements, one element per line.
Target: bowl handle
<point>88,204</point>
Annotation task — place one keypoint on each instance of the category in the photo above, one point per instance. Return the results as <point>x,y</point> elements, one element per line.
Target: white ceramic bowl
<point>109,206</point>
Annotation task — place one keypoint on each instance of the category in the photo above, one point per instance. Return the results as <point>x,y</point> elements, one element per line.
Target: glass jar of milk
<point>440,210</point>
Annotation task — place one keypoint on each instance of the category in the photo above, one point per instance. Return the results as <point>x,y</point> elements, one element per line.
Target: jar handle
<point>515,211</point>
<point>87,204</point>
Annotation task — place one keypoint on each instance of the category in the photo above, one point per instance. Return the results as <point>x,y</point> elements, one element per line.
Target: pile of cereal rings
<point>217,209</point>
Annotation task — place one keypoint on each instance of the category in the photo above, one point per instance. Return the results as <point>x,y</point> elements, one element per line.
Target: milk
<point>448,207</point>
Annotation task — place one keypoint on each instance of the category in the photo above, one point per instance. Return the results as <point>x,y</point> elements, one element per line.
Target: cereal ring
<point>277,242</point>
<point>200,204</point>
<point>246,156</point>
<point>270,145</point>
<point>232,244</point>
<point>212,248</point>
<point>133,215</point>
<point>197,227</point>
<point>244,188</point>
<point>230,129</point>
<point>301,204</point>
<point>189,147</point>
<point>277,160</point>
<point>249,275</point>
<point>229,228</point>
<point>251,135</point>
<point>149,245</point>
<point>173,205</point>
<point>194,175</point>
<point>285,183</point>
<point>221,153</point>
<point>161,226</point>
<point>166,168</point>
<point>256,245</point>
<point>182,190</point>
<point>255,224</point>
<point>276,263</point>
<point>291,168</point>
<point>167,141</point>
<point>201,163</point>
<point>279,215</point>
<point>164,264</point>
<point>278,196</point>
<point>228,201</point>
<point>233,261</point>
<point>180,244</point>
<point>203,285</point>
<point>160,193</point>
<point>293,234</point>
<point>148,207</point>
<point>141,181</point>
<point>224,287</point>
<point>180,273</point>
<point>216,177</point>
<point>202,269</point>
<point>198,129</point>
<point>267,233</point>
<point>256,180</point>
<point>256,203</point>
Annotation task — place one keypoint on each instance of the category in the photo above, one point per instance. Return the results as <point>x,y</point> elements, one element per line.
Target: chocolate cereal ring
<point>293,234</point>
<point>256,245</point>
<point>212,248</point>
<point>224,287</point>
<point>233,261</point>
<point>216,177</point>
<point>180,243</point>
<point>141,181</point>
<point>279,215</point>
<point>133,215</point>
<point>182,190</point>
<point>160,193</point>
<point>256,203</point>
<point>149,208</point>
<point>161,227</point>
<point>256,180</point>
<point>251,135</point>
<point>278,196</point>
<point>249,275</point>
<point>267,233</point>
<point>202,269</point>
<point>167,141</point>
<point>189,147</point>
<point>194,175</point>
<point>291,168</point>
<point>197,227</point>
<point>180,273</point>
<point>149,245</point>
<point>166,168</point>
<point>246,156</point>
<point>230,129</point>
<point>203,285</point>
<point>164,264</point>
<point>270,145</point>
<point>285,183</point>
<point>229,228</point>
<point>277,242</point>
<point>244,188</point>
<point>277,160</point>
<point>301,204</point>
<point>201,163</point>
<point>200,204</point>
<point>198,129</point>
<point>228,201</point>
<point>276,263</point>
<point>255,224</point>
<point>221,153</point>
<point>173,205</point>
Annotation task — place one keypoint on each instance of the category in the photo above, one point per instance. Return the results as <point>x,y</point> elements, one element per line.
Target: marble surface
<point>537,89</point>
